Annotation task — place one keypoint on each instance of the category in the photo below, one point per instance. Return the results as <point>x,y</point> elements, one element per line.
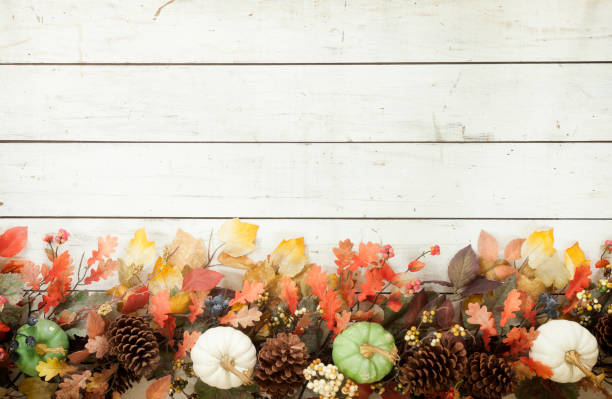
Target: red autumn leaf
<point>528,308</point>
<point>344,255</point>
<point>62,267</point>
<point>317,280</point>
<point>245,317</point>
<point>487,246</point>
<point>416,265</point>
<point>159,307</point>
<point>201,280</point>
<point>98,346</point>
<point>347,289</point>
<point>330,303</point>
<point>289,292</point>
<point>249,294</point>
<point>541,370</point>
<point>342,320</point>
<point>394,302</point>
<point>30,274</point>
<point>387,273</point>
<point>137,300</point>
<point>511,304</point>
<point>520,339</point>
<point>168,329</point>
<point>189,340</point>
<point>302,324</point>
<point>104,271</point>
<point>373,283</point>
<point>368,255</point>
<point>580,281</point>
<point>106,246</point>
<point>196,307</point>
<point>95,324</point>
<point>13,240</point>
<point>4,327</point>
<point>160,388</point>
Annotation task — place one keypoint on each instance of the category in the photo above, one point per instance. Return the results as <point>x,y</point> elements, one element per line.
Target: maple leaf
<point>317,280</point>
<point>373,283</point>
<point>289,292</point>
<point>159,389</point>
<point>189,340</point>
<point>342,320</point>
<point>541,370</point>
<point>368,255</point>
<point>105,270</point>
<point>70,387</point>
<point>30,274</point>
<point>98,346</point>
<point>520,339</point>
<point>95,324</point>
<point>106,246</point>
<point>201,280</point>
<point>159,307</point>
<point>580,281</point>
<point>249,294</point>
<point>480,316</point>
<point>344,255</point>
<point>245,317</point>
<point>53,366</point>
<point>13,240</point>
<point>330,303</point>
<point>511,304</point>
<point>136,300</point>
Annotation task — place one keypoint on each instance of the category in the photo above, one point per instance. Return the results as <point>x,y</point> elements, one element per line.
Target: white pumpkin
<point>569,349</point>
<point>224,357</point>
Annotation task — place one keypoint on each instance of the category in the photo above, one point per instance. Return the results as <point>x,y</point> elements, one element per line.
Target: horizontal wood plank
<point>237,31</point>
<point>306,180</point>
<point>307,103</point>
<point>408,237</point>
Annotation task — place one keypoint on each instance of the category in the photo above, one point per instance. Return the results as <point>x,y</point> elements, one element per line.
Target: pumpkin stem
<point>368,351</point>
<point>42,349</point>
<point>572,358</point>
<point>228,364</point>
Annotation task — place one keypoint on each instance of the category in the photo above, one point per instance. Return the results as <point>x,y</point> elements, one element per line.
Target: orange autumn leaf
<point>159,307</point>
<point>189,340</point>
<point>12,241</point>
<point>540,369</point>
<point>368,255</point>
<point>317,280</point>
<point>160,388</point>
<point>249,294</point>
<point>487,246</point>
<point>245,317</point>
<point>106,246</point>
<point>528,307</point>
<point>513,249</point>
<point>330,303</point>
<point>511,304</point>
<point>342,320</point>
<point>105,270</point>
<point>196,307</point>
<point>289,292</point>
<point>347,289</point>
<point>59,278</point>
<point>394,303</point>
<point>520,340</point>
<point>344,255</point>
<point>95,324</point>
<point>372,285</point>
<point>580,281</point>
<point>480,316</point>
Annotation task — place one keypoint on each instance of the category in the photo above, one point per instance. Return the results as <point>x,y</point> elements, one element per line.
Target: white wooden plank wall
<point>409,122</point>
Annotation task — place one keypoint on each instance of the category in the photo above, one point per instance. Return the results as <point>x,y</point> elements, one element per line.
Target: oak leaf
<point>98,383</point>
<point>482,317</point>
<point>520,340</point>
<point>53,366</point>
<point>317,280</point>
<point>30,274</point>
<point>189,340</point>
<point>245,317</point>
<point>98,346</point>
<point>104,270</point>
<point>95,324</point>
<point>106,246</point>
<point>342,320</point>
<point>511,304</point>
<point>330,304</point>
<point>197,305</point>
<point>249,293</point>
<point>372,285</point>
<point>159,307</point>
<point>540,369</point>
<point>368,255</point>
<point>71,386</point>
<point>289,293</point>
<point>344,255</point>
<point>580,281</point>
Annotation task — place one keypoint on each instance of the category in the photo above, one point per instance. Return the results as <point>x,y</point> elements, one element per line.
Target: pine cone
<point>123,380</point>
<point>603,333</point>
<point>281,362</point>
<point>132,340</point>
<point>488,377</point>
<point>433,369</point>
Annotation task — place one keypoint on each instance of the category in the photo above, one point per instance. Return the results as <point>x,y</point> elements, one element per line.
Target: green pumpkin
<point>364,352</point>
<point>52,341</point>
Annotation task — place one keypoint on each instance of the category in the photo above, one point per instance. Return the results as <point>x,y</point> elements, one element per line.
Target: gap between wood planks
<point>291,218</point>
<point>307,142</point>
<point>376,63</point>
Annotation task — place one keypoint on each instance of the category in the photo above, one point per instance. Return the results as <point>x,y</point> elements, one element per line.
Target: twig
<point>159,10</point>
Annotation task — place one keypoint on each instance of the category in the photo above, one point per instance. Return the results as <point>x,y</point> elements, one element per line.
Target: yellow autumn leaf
<point>180,302</point>
<point>164,277</point>
<point>262,272</point>
<point>289,257</point>
<point>53,366</point>
<point>186,250</point>
<point>237,262</point>
<point>238,237</point>
<point>35,388</point>
<point>139,252</point>
<point>117,291</point>
<point>574,257</point>
<point>551,271</point>
<point>539,243</point>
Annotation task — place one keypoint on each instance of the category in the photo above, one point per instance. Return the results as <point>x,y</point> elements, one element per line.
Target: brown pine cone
<point>123,380</point>
<point>133,342</point>
<point>603,333</point>
<point>281,361</point>
<point>432,369</point>
<point>488,377</point>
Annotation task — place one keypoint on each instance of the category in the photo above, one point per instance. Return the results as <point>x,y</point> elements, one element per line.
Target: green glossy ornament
<point>365,352</point>
<point>37,343</point>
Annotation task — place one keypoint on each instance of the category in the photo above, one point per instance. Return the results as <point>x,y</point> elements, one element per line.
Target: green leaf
<point>207,392</point>
<point>463,268</point>
<point>76,332</point>
<point>81,299</point>
<point>10,287</point>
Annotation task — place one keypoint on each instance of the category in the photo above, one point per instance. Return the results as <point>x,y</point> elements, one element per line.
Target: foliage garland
<point>490,304</point>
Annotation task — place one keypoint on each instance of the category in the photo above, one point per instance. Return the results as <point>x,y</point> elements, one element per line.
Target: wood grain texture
<point>306,180</point>
<point>235,31</point>
<point>307,103</point>
<point>409,238</point>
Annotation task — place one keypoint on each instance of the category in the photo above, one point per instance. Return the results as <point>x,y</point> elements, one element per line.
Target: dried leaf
<point>480,316</point>
<point>372,285</point>
<point>289,257</point>
<point>98,384</point>
<point>540,369</point>
<point>487,246</point>
<point>160,388</point>
<point>164,277</point>
<point>330,304</point>
<point>463,267</point>
<point>239,237</point>
<point>79,356</point>
<point>186,250</point>
<point>159,307</point>
<point>30,274</point>
<point>104,270</point>
<point>95,324</point>
<point>520,340</point>
<point>240,262</point>
<point>98,346</point>
<point>368,255</point>
<point>512,251</point>
<point>262,272</point>
<point>245,317</point>
<point>344,255</point>
<point>445,314</point>
<point>551,272</point>
<point>139,252</point>
<point>35,388</point>
<point>70,387</point>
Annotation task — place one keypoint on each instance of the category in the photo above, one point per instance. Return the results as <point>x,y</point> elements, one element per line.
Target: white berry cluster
<point>325,380</point>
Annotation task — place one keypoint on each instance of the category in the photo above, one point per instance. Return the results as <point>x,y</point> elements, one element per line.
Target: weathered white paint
<point>408,237</point>
<point>304,31</point>
<point>306,180</point>
<point>307,103</point>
